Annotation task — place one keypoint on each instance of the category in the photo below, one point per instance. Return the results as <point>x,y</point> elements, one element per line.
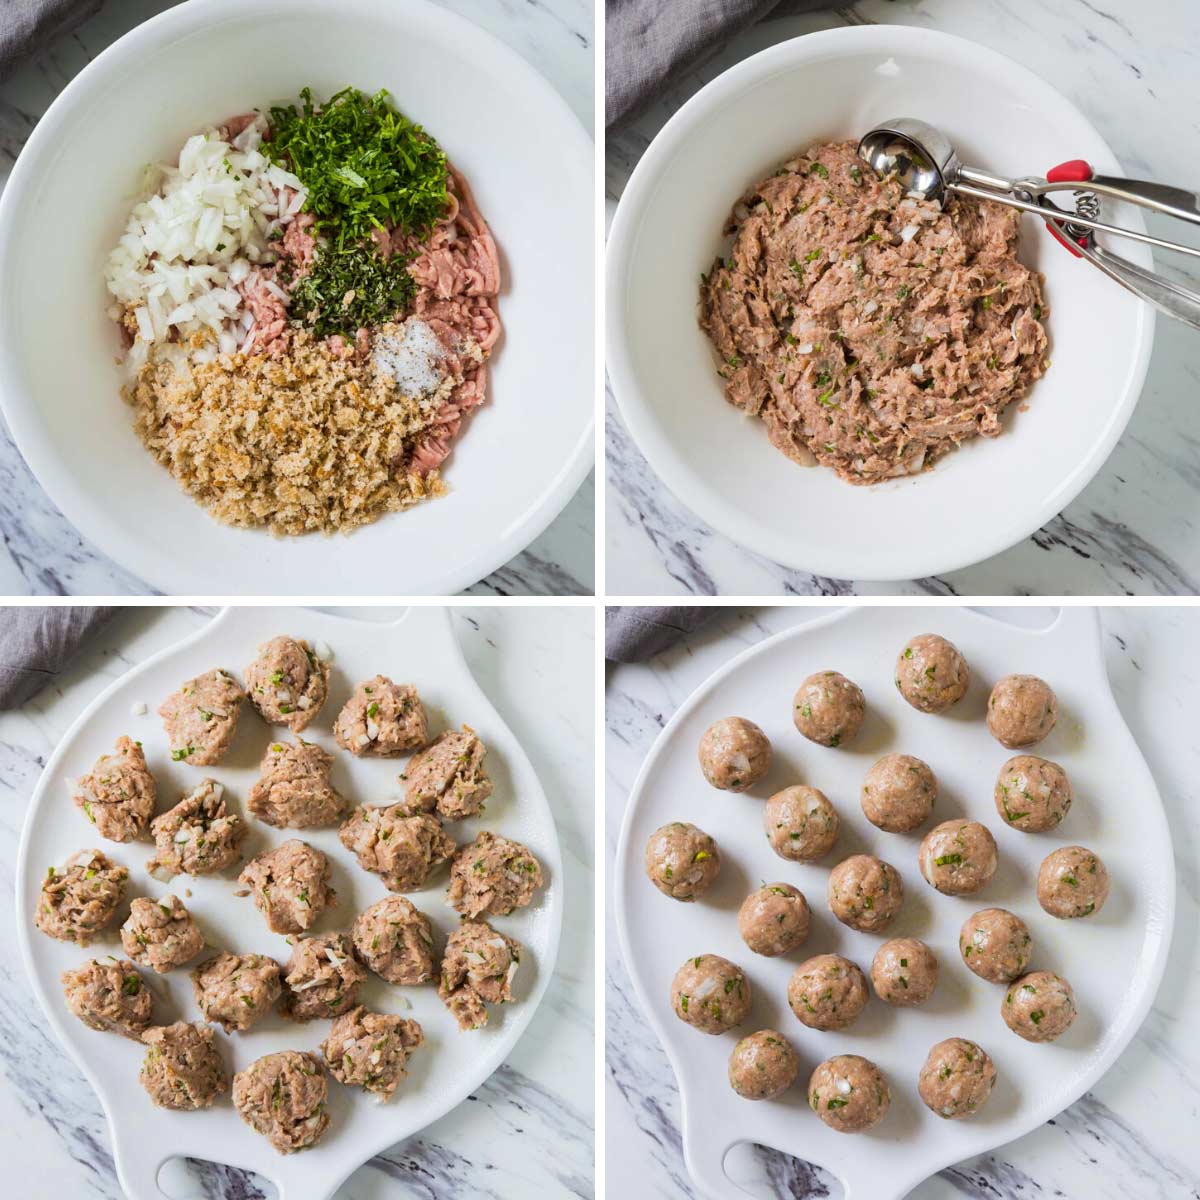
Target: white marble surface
<point>528,1130</point>
<point>1133,1135</point>
<point>1130,65</point>
<point>41,552</point>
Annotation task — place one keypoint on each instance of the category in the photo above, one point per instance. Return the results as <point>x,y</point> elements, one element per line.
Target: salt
<point>410,360</point>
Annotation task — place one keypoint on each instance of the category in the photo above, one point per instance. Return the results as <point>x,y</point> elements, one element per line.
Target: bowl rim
<point>833,561</point>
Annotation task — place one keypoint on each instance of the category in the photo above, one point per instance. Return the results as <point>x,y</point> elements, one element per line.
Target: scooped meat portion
<point>161,934</point>
<point>492,876</point>
<point>201,718</point>
<point>119,794</point>
<point>865,893</point>
<point>293,790</point>
<point>763,1065</point>
<point>899,793</point>
<point>400,849</point>
<point>290,885</point>
<point>282,1096</point>
<point>956,1079</point>
<point>849,1093</point>
<point>287,683</point>
<point>711,994</point>
<point>800,823</point>
<point>1072,882</point>
<point>774,919</point>
<point>827,992</point>
<point>395,940</point>
<point>448,776</point>
<point>958,857</point>
<point>370,1050</point>
<point>477,970</point>
<point>995,944</point>
<point>199,836</point>
<point>869,330</point>
<point>236,990</point>
<point>1039,1007</point>
<point>828,708</point>
<point>182,1068</point>
<point>382,718</point>
<point>904,972</point>
<point>1022,710</point>
<point>109,997</point>
<point>321,979</point>
<point>734,754</point>
<point>1033,794</point>
<point>931,673</point>
<point>80,899</point>
<point>682,861</point>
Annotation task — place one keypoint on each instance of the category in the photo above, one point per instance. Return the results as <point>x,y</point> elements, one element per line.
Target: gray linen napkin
<point>635,634</point>
<point>37,643</point>
<point>27,26</point>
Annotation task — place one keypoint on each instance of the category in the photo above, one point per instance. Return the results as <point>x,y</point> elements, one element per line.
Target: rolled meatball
<point>80,899</point>
<point>282,1096</point>
<point>995,944</point>
<point>199,836</point>
<point>492,876</point>
<point>774,919</point>
<point>827,992</point>
<point>119,794</point>
<point>682,861</point>
<point>321,979</point>
<point>201,718</point>
<point>710,994</point>
<point>287,683</point>
<point>734,754</point>
<point>1039,1006</point>
<point>931,673</point>
<point>1032,794</point>
<point>898,793</point>
<point>1022,710</point>
<point>801,824</point>
<point>448,777</point>
<point>161,934</point>
<point>958,857</point>
<point>402,850</point>
<point>382,719</point>
<point>236,990</point>
<point>182,1068</point>
<point>395,940</point>
<point>477,970</point>
<point>1072,882</point>
<point>109,997</point>
<point>904,972</point>
<point>849,1093</point>
<point>370,1050</point>
<point>956,1079</point>
<point>763,1065</point>
<point>865,893</point>
<point>828,708</point>
<point>294,790</point>
<point>290,886</point>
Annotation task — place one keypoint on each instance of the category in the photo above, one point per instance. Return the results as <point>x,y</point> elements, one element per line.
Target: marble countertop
<point>41,552</point>
<point>1135,529</point>
<point>1134,1134</point>
<point>527,1130</point>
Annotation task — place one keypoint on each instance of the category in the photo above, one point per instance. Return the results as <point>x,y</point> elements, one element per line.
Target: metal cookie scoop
<point>927,167</point>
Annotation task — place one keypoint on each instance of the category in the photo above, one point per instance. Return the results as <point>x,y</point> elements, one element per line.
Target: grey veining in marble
<point>1135,529</point>
<point>42,553</point>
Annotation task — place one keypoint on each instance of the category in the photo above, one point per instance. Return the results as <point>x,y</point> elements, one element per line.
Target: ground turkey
<point>734,754</point>
<point>293,790</point>
<point>957,1079</point>
<point>1032,794</point>
<point>1039,1006</point>
<point>865,893</point>
<point>80,898</point>
<point>931,673</point>
<point>321,979</point>
<point>382,718</point>
<point>849,1093</point>
<point>448,776</point>
<point>995,944</point>
<point>109,996</point>
<point>492,876</point>
<point>235,990</point>
<point>1072,882</point>
<point>682,861</point>
<point>800,823</point>
<point>958,857</point>
<point>182,1068</point>
<point>287,683</point>
<point>161,934</point>
<point>477,970</point>
<point>400,849</point>
<point>899,793</point>
<point>282,1096</point>
<point>763,1065</point>
<point>904,972</point>
<point>119,795</point>
<point>199,836</point>
<point>395,940</point>
<point>1022,710</point>
<point>201,718</point>
<point>710,994</point>
<point>369,1050</point>
<point>827,992</point>
<point>774,919</point>
<point>828,708</point>
<point>290,885</point>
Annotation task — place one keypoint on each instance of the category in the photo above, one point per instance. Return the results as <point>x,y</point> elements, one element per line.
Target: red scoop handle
<point>1074,171</point>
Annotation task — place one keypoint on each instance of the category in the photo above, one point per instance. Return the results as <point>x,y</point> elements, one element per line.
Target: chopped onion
<point>139,709</point>
<point>869,308</point>
<point>372,730</point>
<point>908,233</point>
